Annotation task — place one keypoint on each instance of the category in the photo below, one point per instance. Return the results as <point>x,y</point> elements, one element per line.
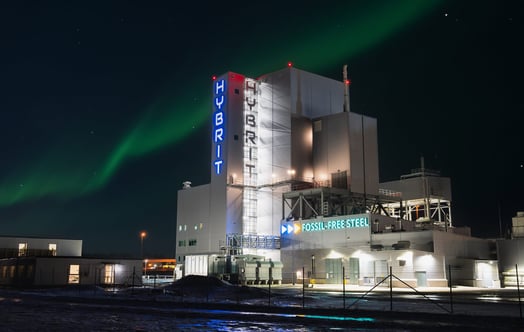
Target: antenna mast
<point>346,88</point>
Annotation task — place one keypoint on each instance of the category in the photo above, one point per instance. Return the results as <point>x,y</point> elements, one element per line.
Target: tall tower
<point>281,132</point>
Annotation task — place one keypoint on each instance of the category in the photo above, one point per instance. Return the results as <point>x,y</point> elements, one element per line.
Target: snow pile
<point>194,286</point>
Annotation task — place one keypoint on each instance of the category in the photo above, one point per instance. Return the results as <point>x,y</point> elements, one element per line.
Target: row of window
<point>184,227</point>
<point>191,243</point>
<point>23,249</point>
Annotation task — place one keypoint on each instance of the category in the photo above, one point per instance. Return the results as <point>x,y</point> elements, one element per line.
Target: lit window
<point>180,228</point>
<point>109,274</point>
<point>52,249</point>
<point>22,249</point>
<point>74,274</point>
<point>317,126</point>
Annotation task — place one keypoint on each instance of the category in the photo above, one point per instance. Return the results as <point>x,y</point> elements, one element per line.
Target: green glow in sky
<point>79,167</point>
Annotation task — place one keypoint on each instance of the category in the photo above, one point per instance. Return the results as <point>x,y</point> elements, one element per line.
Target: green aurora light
<point>68,170</point>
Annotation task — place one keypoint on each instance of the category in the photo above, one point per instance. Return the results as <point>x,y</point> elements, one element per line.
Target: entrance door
<point>381,271</point>
<point>354,270</point>
<point>333,271</point>
<point>421,278</point>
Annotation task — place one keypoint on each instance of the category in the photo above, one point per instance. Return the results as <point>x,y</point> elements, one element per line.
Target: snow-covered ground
<point>207,304</point>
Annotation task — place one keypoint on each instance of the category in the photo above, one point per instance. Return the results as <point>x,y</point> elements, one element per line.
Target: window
<point>317,126</point>
<point>74,274</point>
<point>52,249</point>
<point>22,249</point>
<point>182,243</point>
<point>192,242</point>
<point>109,274</point>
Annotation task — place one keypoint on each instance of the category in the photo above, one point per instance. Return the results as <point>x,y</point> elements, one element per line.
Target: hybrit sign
<point>219,105</point>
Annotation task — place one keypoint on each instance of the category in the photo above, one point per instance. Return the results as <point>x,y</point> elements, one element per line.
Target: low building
<point>62,271</point>
<point>51,262</point>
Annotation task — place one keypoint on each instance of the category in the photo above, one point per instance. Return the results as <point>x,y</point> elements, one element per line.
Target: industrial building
<point>295,194</point>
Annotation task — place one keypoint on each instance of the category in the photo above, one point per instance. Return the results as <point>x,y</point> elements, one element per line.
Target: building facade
<point>295,179</point>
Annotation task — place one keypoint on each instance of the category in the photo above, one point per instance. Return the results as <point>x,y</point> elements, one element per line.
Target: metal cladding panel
<point>414,188</point>
<point>234,211</point>
<point>347,142</point>
<point>363,154</point>
<point>371,154</point>
<point>331,145</point>
<point>275,129</point>
<point>440,186</point>
<point>302,151</point>
<point>194,221</point>
<point>457,245</point>
<point>269,211</point>
<point>314,96</point>
<point>509,254</point>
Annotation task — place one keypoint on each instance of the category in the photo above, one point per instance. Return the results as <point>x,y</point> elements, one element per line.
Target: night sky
<point>105,105</point>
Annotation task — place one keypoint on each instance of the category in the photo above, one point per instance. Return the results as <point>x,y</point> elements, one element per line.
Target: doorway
<point>422,280</point>
<point>354,270</point>
<point>333,270</point>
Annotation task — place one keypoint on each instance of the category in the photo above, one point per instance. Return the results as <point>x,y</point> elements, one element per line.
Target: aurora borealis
<point>105,107</point>
<point>165,122</point>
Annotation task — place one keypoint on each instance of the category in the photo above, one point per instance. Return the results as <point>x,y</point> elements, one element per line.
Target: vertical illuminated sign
<point>250,156</point>
<point>219,105</point>
<point>250,130</point>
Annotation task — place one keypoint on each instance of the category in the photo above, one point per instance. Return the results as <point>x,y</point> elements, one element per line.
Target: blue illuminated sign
<point>325,225</point>
<point>290,228</point>
<point>219,102</point>
<point>321,225</point>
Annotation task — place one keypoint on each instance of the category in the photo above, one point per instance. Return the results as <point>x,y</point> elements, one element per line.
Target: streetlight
<point>143,234</point>
<point>313,266</point>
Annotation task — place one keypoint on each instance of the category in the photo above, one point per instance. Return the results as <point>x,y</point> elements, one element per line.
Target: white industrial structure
<point>295,180</point>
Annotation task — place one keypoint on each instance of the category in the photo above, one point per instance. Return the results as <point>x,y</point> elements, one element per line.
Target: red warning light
<point>213,77</point>
<point>347,82</point>
<point>290,64</point>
